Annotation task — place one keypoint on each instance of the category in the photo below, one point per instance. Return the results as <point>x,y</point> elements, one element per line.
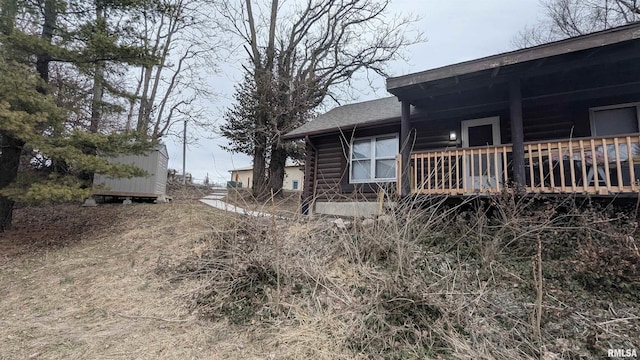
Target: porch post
<point>517,131</point>
<point>405,148</point>
<point>308,191</point>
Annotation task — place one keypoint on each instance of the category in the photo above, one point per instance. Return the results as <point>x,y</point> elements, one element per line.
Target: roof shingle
<point>347,116</point>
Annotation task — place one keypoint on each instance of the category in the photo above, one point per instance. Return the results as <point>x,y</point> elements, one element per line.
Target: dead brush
<point>395,313</point>
<point>608,257</point>
<point>397,238</point>
<point>511,240</point>
<point>424,279</point>
<point>235,272</point>
<point>481,268</point>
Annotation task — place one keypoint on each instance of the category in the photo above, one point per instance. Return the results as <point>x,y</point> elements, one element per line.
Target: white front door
<point>478,133</point>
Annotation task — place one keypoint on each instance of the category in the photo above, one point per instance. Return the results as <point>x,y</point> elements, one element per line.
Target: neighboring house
<point>293,176</point>
<point>559,118</point>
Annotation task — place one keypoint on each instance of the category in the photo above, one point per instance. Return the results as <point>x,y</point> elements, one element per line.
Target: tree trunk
<point>96,103</point>
<point>276,168</point>
<point>43,60</point>
<point>144,114</point>
<point>262,76</point>
<point>98,94</point>
<point>259,163</point>
<point>42,65</point>
<point>8,9</point>
<point>98,77</point>
<point>9,163</point>
<point>12,147</point>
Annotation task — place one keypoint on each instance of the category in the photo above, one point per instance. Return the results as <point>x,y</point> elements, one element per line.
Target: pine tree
<point>34,125</point>
<point>83,50</point>
<point>239,126</point>
<point>284,111</point>
<point>29,119</point>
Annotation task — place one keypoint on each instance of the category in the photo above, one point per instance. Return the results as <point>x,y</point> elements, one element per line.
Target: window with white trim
<point>373,159</point>
<point>295,184</point>
<point>615,120</point>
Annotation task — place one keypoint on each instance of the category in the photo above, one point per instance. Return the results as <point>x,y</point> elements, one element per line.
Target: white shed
<point>155,163</point>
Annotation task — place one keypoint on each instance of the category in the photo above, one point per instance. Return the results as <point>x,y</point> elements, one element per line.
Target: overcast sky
<point>455,30</point>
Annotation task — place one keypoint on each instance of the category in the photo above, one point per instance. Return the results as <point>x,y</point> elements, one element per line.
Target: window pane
<point>385,169</point>
<point>361,170</point>
<point>615,121</point>
<point>362,149</point>
<point>480,135</point>
<point>386,147</point>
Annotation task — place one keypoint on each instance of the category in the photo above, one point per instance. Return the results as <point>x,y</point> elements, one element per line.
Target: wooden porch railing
<point>599,165</point>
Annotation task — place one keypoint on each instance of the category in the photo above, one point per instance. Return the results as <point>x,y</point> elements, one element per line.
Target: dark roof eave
<point>593,40</point>
<point>369,124</point>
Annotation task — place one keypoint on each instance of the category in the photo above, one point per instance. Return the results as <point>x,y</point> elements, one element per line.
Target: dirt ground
<point>79,283</point>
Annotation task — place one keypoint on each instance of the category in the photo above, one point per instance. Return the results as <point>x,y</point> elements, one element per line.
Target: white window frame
<point>297,182</point>
<point>372,159</point>
<point>495,129</point>
<point>593,110</point>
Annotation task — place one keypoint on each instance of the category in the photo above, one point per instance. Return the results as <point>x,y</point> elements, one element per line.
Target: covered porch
<point>558,118</point>
<point>596,166</point>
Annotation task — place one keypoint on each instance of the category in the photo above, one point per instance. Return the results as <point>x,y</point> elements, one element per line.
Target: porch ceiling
<point>609,59</point>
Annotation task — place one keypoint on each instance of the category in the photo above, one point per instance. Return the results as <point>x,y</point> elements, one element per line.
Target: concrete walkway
<point>215,200</point>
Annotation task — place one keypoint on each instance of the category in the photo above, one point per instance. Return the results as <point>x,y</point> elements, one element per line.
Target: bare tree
<point>568,18</point>
<point>180,35</point>
<point>302,53</point>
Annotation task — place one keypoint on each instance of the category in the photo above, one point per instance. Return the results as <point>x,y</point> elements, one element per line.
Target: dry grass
<point>182,280</point>
<point>286,204</point>
<point>427,282</point>
<point>80,283</point>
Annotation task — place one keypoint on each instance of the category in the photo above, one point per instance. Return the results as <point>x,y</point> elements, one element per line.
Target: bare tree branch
<point>568,18</point>
<point>312,50</point>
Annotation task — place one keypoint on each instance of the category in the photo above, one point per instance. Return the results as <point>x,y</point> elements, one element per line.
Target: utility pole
<point>184,154</point>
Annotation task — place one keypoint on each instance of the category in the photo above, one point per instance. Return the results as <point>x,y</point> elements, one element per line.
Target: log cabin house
<point>559,118</point>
